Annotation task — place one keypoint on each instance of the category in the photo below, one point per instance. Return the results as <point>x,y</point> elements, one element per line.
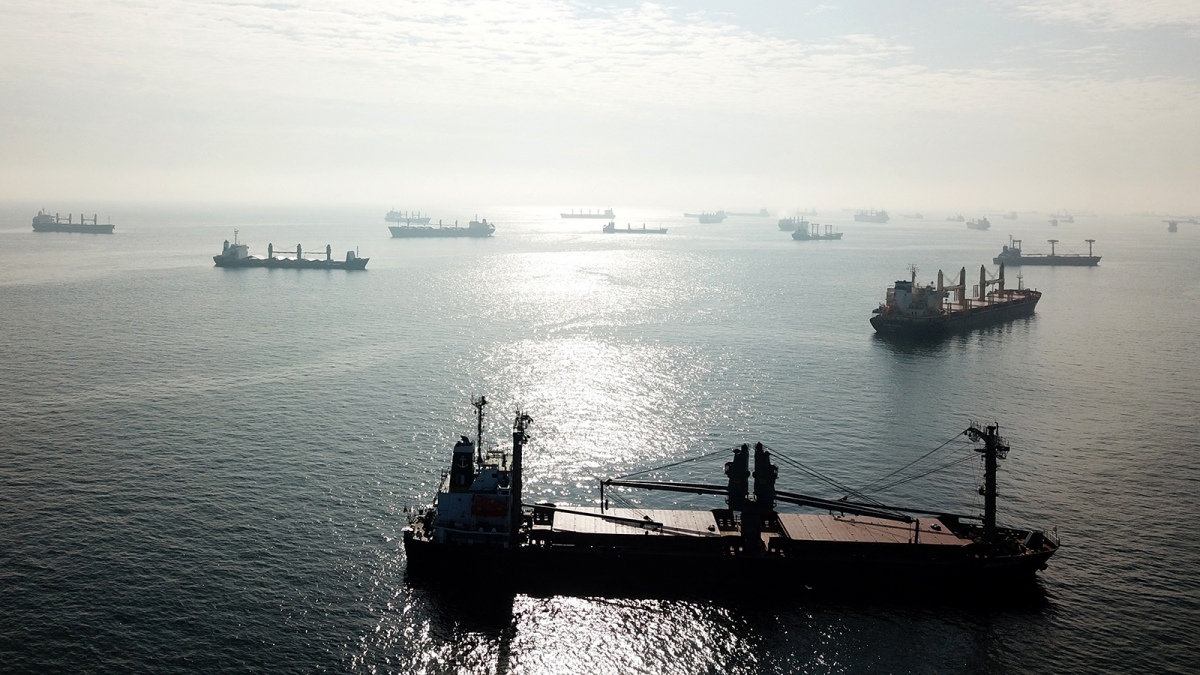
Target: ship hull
<point>290,263</point>
<point>866,218</point>
<point>406,232</point>
<point>1070,260</point>
<point>65,227</point>
<point>587,215</point>
<point>958,320</point>
<point>803,567</point>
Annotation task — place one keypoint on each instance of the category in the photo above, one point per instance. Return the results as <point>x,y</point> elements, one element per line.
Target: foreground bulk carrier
<point>479,523</point>
<point>238,255</point>
<point>929,311</point>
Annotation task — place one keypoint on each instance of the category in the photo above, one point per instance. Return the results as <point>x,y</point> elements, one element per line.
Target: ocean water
<point>207,470</point>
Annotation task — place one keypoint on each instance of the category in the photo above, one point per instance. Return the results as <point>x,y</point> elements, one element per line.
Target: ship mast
<point>479,403</point>
<point>994,448</point>
<point>520,438</point>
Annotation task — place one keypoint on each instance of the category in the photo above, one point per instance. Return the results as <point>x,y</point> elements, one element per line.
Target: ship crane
<point>959,289</point>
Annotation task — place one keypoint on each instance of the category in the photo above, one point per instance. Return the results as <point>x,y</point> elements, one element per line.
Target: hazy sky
<point>1022,104</point>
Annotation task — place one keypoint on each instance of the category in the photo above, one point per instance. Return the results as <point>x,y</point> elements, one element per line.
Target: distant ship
<point>956,218</point>
<point>479,521</point>
<point>790,224</point>
<point>1011,255</point>
<point>44,222</point>
<point>1011,215</point>
<point>406,217</point>
<point>911,310</point>
<point>476,228</point>
<point>1063,217</point>
<point>611,228</point>
<point>238,255</point>
<point>912,215</point>
<point>606,213</point>
<point>872,216</point>
<point>761,213</point>
<point>1172,225</point>
<point>806,231</point>
<point>709,218</point>
<point>981,224</point>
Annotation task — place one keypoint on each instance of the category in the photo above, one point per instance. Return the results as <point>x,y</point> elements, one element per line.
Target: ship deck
<point>581,524</point>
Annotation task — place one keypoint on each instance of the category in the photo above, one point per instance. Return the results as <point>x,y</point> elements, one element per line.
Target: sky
<point>1007,104</point>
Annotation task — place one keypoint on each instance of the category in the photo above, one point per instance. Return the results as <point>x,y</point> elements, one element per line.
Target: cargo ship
<point>1012,255</point>
<point>806,231</point>
<point>931,311</point>
<point>44,222</point>
<point>761,213</point>
<point>238,255</point>
<point>980,224</point>
<point>872,216</point>
<point>956,218</point>
<point>476,228</point>
<point>611,228</point>
<point>606,213</point>
<point>406,217</point>
<point>709,217</point>
<point>479,522</point>
<point>793,223</point>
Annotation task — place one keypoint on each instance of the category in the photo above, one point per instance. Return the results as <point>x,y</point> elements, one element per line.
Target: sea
<point>208,470</point>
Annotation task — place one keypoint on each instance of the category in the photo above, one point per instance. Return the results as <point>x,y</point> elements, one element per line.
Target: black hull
<point>1067,260</point>
<point>957,321</point>
<point>289,264</point>
<point>85,229</point>
<point>810,566</point>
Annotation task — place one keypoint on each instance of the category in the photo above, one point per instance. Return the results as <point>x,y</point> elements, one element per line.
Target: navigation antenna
<point>479,403</point>
<point>913,268</point>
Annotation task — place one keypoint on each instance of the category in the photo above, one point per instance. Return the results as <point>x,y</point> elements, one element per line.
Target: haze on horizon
<point>1016,104</point>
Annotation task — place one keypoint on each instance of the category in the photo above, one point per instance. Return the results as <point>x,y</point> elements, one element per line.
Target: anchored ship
<point>872,216</point>
<point>761,213</point>
<point>793,223</point>
<point>479,521</point>
<point>930,311</point>
<point>606,213</point>
<point>406,217</point>
<point>238,255</point>
<point>1012,255</point>
<point>476,228</point>
<point>806,231</point>
<point>980,224</point>
<point>709,217</point>
<point>956,218</point>
<point>611,228</point>
<point>44,222</point>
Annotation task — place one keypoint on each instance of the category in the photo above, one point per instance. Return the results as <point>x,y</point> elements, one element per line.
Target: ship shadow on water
<point>490,610</point>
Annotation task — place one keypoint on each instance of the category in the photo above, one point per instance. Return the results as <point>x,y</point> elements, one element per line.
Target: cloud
<point>1112,14</point>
